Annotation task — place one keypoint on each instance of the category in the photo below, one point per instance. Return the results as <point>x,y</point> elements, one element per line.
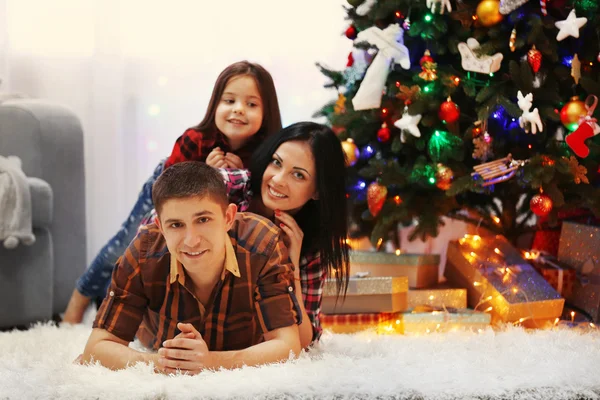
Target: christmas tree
<point>479,110</point>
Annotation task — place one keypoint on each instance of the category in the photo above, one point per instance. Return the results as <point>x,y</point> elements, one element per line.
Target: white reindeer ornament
<point>529,119</point>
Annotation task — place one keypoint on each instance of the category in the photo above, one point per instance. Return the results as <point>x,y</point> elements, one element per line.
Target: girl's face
<point>239,114</point>
<point>290,179</point>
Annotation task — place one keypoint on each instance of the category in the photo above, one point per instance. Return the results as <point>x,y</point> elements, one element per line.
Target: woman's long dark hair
<point>323,221</point>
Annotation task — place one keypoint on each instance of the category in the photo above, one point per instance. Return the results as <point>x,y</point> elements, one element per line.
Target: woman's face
<point>290,179</point>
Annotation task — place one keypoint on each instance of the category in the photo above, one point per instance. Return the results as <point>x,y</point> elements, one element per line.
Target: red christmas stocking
<point>576,139</point>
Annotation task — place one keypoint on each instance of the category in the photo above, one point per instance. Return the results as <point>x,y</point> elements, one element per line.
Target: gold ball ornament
<point>570,113</point>
<point>351,151</point>
<point>443,177</point>
<point>488,12</point>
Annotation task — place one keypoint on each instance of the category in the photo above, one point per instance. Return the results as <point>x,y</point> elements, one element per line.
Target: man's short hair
<point>189,179</point>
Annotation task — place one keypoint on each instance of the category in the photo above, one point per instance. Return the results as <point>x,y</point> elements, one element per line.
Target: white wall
<point>138,73</point>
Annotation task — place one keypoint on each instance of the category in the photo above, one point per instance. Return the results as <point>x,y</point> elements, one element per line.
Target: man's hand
<point>187,352</point>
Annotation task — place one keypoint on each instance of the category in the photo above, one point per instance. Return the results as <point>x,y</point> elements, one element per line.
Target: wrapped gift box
<point>439,296</point>
<point>366,295</point>
<point>499,280</point>
<point>351,323</point>
<point>580,247</point>
<point>421,269</point>
<point>558,274</point>
<point>447,320</point>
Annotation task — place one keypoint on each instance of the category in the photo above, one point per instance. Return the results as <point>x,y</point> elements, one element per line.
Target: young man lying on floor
<point>207,287</point>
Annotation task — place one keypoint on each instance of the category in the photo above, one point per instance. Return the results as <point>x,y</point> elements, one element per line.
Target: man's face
<point>195,230</point>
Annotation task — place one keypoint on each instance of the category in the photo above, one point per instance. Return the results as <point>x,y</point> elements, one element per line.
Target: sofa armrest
<point>41,202</point>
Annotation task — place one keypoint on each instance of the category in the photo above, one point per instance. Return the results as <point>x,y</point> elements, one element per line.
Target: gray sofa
<point>36,281</point>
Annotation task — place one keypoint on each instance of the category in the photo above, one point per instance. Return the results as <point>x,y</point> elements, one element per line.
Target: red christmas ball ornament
<point>449,111</point>
<point>376,195</point>
<point>351,32</point>
<point>383,134</point>
<point>350,60</point>
<point>534,58</point>
<point>541,204</point>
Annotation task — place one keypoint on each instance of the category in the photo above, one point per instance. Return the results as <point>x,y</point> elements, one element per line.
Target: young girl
<point>243,110</point>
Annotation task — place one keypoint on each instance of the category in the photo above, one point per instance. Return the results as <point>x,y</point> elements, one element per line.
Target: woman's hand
<point>293,238</point>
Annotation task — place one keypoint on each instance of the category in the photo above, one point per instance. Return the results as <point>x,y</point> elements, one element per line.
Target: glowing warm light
<point>497,251</point>
<point>556,321</point>
<point>496,219</point>
<point>490,308</point>
<point>515,290</point>
<point>592,325</point>
<point>476,284</point>
<point>397,200</point>
<point>398,252</point>
<point>431,297</point>
<point>397,322</point>
<point>397,84</point>
<point>488,298</point>
<point>384,111</point>
<point>379,241</point>
<point>473,254</point>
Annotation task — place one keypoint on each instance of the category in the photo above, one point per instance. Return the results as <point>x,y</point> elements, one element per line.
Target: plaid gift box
<point>351,323</point>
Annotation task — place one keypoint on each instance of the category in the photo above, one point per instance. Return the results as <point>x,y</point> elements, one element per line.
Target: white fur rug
<point>514,364</point>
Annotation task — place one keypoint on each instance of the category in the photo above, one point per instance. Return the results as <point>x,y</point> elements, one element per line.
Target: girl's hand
<point>216,158</point>
<point>233,161</point>
<point>293,238</point>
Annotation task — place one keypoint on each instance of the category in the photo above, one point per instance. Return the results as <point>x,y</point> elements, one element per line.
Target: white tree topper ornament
<point>408,123</point>
<point>443,5</point>
<point>390,45</point>
<point>570,26</point>
<point>471,62</point>
<point>365,7</point>
<point>529,118</point>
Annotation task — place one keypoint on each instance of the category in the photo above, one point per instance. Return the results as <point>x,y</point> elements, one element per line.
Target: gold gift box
<point>366,295</point>
<point>436,321</point>
<point>421,269</point>
<point>500,281</point>
<point>438,297</point>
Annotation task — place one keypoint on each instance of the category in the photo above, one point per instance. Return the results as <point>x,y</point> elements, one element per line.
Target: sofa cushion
<point>41,202</point>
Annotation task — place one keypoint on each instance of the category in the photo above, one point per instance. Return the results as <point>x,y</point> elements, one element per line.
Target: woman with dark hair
<point>302,188</point>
